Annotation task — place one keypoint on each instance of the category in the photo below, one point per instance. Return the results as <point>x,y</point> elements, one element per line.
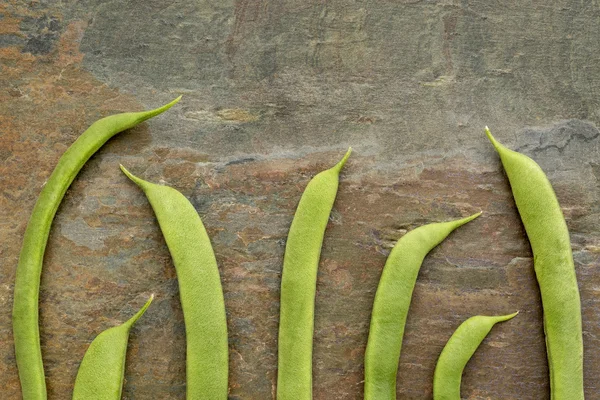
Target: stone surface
<point>275,91</point>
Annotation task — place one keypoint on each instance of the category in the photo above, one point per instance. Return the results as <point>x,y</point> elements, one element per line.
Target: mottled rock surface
<point>275,91</point>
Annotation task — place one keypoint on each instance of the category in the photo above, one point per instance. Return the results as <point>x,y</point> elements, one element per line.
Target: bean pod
<point>27,285</point>
<point>298,284</point>
<point>101,372</point>
<point>554,269</point>
<point>199,290</point>
<point>457,353</point>
<point>392,302</point>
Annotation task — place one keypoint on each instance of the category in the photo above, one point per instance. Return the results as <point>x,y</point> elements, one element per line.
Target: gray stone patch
<point>80,233</point>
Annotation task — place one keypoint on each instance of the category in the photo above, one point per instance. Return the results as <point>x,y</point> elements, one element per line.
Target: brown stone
<point>274,92</point>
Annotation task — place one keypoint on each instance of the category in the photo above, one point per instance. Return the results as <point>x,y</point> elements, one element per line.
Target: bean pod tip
<point>141,312</point>
<point>140,182</point>
<point>497,145</point>
<point>338,167</point>
<point>507,317</point>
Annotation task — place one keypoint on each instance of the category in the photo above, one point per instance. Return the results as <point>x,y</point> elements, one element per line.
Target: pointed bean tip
<point>492,139</point>
<point>504,318</point>
<point>172,103</point>
<point>132,177</point>
<point>469,218</point>
<point>141,312</point>
<point>338,167</point>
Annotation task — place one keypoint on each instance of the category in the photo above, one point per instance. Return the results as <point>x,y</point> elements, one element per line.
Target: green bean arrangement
<point>29,270</point>
<point>101,372</point>
<point>392,302</point>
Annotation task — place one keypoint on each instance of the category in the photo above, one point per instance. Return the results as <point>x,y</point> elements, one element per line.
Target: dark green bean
<point>392,302</point>
<point>298,285</point>
<point>199,290</point>
<point>101,372</point>
<point>27,285</point>
<point>553,263</point>
<point>457,353</point>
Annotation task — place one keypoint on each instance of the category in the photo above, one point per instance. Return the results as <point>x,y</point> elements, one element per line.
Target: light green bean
<point>457,353</point>
<point>298,284</point>
<point>392,302</point>
<point>27,285</point>
<point>101,372</point>
<point>554,268</point>
<point>199,290</point>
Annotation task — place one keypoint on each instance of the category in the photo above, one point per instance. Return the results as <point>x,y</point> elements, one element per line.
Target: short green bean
<point>27,285</point>
<point>199,290</point>
<point>457,353</point>
<point>101,372</point>
<point>553,263</point>
<point>298,284</point>
<point>392,302</point>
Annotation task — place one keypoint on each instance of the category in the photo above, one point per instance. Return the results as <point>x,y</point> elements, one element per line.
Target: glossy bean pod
<point>392,302</point>
<point>298,284</point>
<point>458,351</point>
<point>200,290</point>
<point>27,285</point>
<point>554,269</point>
<point>101,372</point>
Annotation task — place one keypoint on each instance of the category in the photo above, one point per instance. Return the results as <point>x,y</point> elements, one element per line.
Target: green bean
<point>554,269</point>
<point>27,285</point>
<point>392,302</point>
<point>298,284</point>
<point>457,353</point>
<point>200,290</point>
<point>101,372</point>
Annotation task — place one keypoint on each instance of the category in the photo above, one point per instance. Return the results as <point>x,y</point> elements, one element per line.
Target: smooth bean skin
<point>392,302</point>
<point>298,284</point>
<point>101,372</point>
<point>458,351</point>
<point>554,269</point>
<point>200,290</point>
<point>27,285</point>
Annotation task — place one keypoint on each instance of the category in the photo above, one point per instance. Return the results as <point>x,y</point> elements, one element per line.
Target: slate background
<point>275,91</point>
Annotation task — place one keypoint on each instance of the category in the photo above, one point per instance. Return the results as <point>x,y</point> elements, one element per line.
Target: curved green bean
<point>457,353</point>
<point>199,290</point>
<point>298,284</point>
<point>392,302</point>
<point>27,285</point>
<point>554,268</point>
<point>101,372</point>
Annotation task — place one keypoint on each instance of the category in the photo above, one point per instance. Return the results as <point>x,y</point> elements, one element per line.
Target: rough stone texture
<point>275,91</point>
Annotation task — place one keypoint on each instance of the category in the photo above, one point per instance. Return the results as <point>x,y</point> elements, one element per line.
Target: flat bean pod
<point>298,284</point>
<point>392,302</point>
<point>199,290</point>
<point>27,285</point>
<point>554,269</point>
<point>457,353</point>
<point>101,372</point>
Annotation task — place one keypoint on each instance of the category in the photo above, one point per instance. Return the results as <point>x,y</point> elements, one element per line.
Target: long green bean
<point>298,284</point>
<point>554,268</point>
<point>392,302</point>
<point>27,285</point>
<point>199,290</point>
